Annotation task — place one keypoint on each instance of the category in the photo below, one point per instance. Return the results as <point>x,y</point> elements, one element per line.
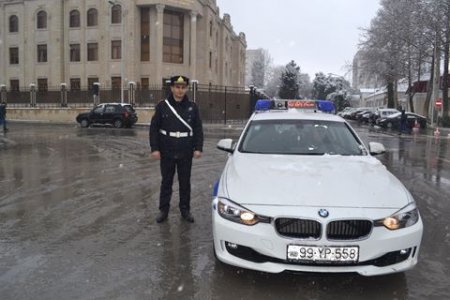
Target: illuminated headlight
<point>405,217</point>
<point>235,213</point>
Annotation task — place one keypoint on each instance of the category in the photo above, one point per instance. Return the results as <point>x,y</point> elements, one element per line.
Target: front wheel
<point>118,123</point>
<point>389,125</point>
<point>84,123</point>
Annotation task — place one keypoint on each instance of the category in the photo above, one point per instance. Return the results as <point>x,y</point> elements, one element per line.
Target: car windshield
<point>300,137</point>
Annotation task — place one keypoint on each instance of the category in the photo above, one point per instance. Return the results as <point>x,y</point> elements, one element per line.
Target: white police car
<point>301,192</point>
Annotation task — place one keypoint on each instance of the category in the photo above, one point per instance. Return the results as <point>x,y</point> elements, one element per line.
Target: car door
<point>110,113</point>
<point>97,114</point>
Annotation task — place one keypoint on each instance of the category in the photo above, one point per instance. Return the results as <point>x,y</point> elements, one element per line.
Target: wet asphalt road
<point>77,209</point>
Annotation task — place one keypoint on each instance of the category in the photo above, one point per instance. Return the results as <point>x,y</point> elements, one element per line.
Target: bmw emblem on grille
<point>323,213</point>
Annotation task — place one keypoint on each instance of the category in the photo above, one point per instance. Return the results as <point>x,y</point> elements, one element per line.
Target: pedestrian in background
<point>403,121</point>
<point>176,136</point>
<point>3,116</point>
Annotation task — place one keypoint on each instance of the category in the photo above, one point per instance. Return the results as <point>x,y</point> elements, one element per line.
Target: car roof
<point>115,103</point>
<point>295,114</point>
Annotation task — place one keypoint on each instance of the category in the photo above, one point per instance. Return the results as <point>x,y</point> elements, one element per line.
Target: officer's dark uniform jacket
<point>164,119</point>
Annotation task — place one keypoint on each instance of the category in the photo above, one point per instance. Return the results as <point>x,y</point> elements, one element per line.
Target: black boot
<point>162,216</point>
<point>187,216</point>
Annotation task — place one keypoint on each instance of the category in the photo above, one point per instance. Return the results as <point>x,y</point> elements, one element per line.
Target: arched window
<point>116,14</point>
<point>41,20</point>
<point>92,19</point>
<point>74,18</point>
<point>13,24</point>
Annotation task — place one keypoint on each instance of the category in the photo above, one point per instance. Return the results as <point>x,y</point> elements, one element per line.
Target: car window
<point>111,109</point>
<point>129,108</point>
<point>300,137</point>
<point>99,109</point>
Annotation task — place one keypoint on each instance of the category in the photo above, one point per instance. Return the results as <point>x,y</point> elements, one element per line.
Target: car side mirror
<point>376,148</point>
<point>226,145</point>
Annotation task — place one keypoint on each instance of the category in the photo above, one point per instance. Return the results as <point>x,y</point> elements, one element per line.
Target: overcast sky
<point>320,35</point>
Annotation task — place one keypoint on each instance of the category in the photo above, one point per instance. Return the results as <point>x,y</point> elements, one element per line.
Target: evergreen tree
<point>290,81</point>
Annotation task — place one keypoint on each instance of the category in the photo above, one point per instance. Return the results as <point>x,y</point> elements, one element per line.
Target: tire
<point>84,123</point>
<point>389,125</point>
<point>118,123</point>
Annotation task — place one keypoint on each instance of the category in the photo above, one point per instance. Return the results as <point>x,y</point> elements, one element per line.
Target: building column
<point>193,42</point>
<point>159,41</point>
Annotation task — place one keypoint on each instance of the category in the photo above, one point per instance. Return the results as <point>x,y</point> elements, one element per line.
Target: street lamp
<point>122,45</point>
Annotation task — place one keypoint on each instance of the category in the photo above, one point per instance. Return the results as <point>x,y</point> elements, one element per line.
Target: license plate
<point>322,254</point>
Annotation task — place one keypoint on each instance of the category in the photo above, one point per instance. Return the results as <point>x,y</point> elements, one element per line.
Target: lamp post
<point>122,48</point>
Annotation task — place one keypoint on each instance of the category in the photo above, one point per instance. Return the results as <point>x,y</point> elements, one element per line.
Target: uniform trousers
<point>183,166</point>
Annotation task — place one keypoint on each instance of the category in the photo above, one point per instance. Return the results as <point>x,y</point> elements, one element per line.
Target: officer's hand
<point>197,154</point>
<point>156,155</point>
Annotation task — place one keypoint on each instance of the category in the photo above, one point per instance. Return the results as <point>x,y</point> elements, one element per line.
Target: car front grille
<point>349,229</point>
<point>298,228</point>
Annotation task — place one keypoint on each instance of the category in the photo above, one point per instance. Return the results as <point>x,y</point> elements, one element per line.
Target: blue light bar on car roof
<point>263,104</point>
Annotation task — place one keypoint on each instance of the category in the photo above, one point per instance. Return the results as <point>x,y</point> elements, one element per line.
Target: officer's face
<point>178,91</point>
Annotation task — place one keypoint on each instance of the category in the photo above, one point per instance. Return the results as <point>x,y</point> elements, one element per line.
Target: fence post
<point>3,97</point>
<point>96,93</point>
<point>166,89</point>
<point>63,94</point>
<point>32,95</point>
<point>132,93</point>
<point>194,90</point>
<point>225,109</point>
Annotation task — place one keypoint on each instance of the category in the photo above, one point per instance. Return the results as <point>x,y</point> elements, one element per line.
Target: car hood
<point>325,181</point>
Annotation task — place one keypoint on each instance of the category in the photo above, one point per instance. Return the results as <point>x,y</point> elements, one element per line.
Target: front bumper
<point>261,248</point>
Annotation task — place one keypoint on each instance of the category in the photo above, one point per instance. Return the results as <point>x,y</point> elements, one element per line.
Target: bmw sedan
<point>301,192</point>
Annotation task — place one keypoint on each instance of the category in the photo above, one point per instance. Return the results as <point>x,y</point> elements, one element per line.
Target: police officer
<point>176,136</point>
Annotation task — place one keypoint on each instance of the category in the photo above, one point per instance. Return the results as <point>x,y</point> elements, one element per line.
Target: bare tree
<point>261,64</point>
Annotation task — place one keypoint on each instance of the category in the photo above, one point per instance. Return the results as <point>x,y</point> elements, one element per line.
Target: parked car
<point>353,114</point>
<point>347,114</point>
<point>278,205</point>
<point>393,121</point>
<point>382,113</point>
<point>117,114</point>
<point>367,117</point>
<point>345,110</point>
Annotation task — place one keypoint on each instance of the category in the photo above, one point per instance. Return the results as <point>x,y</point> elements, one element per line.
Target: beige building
<point>79,42</point>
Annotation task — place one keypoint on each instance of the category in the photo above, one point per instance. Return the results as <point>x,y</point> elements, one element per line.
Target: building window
<point>210,28</point>
<point>116,82</point>
<point>145,34</point>
<point>75,84</point>
<point>74,19</point>
<point>42,53</point>
<point>14,56</point>
<point>92,51</point>
<point>91,82</point>
<point>14,85</point>
<point>145,83</point>
<point>116,14</point>
<point>210,59</point>
<point>75,52</point>
<point>92,17</point>
<point>41,20</point>
<point>13,24</point>
<point>42,85</point>
<point>173,37</point>
<point>116,49</point>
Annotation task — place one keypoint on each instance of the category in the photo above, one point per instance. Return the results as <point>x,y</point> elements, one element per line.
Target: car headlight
<point>235,213</point>
<point>405,217</point>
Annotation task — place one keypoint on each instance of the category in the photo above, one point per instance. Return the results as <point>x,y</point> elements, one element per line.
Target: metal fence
<point>216,103</point>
